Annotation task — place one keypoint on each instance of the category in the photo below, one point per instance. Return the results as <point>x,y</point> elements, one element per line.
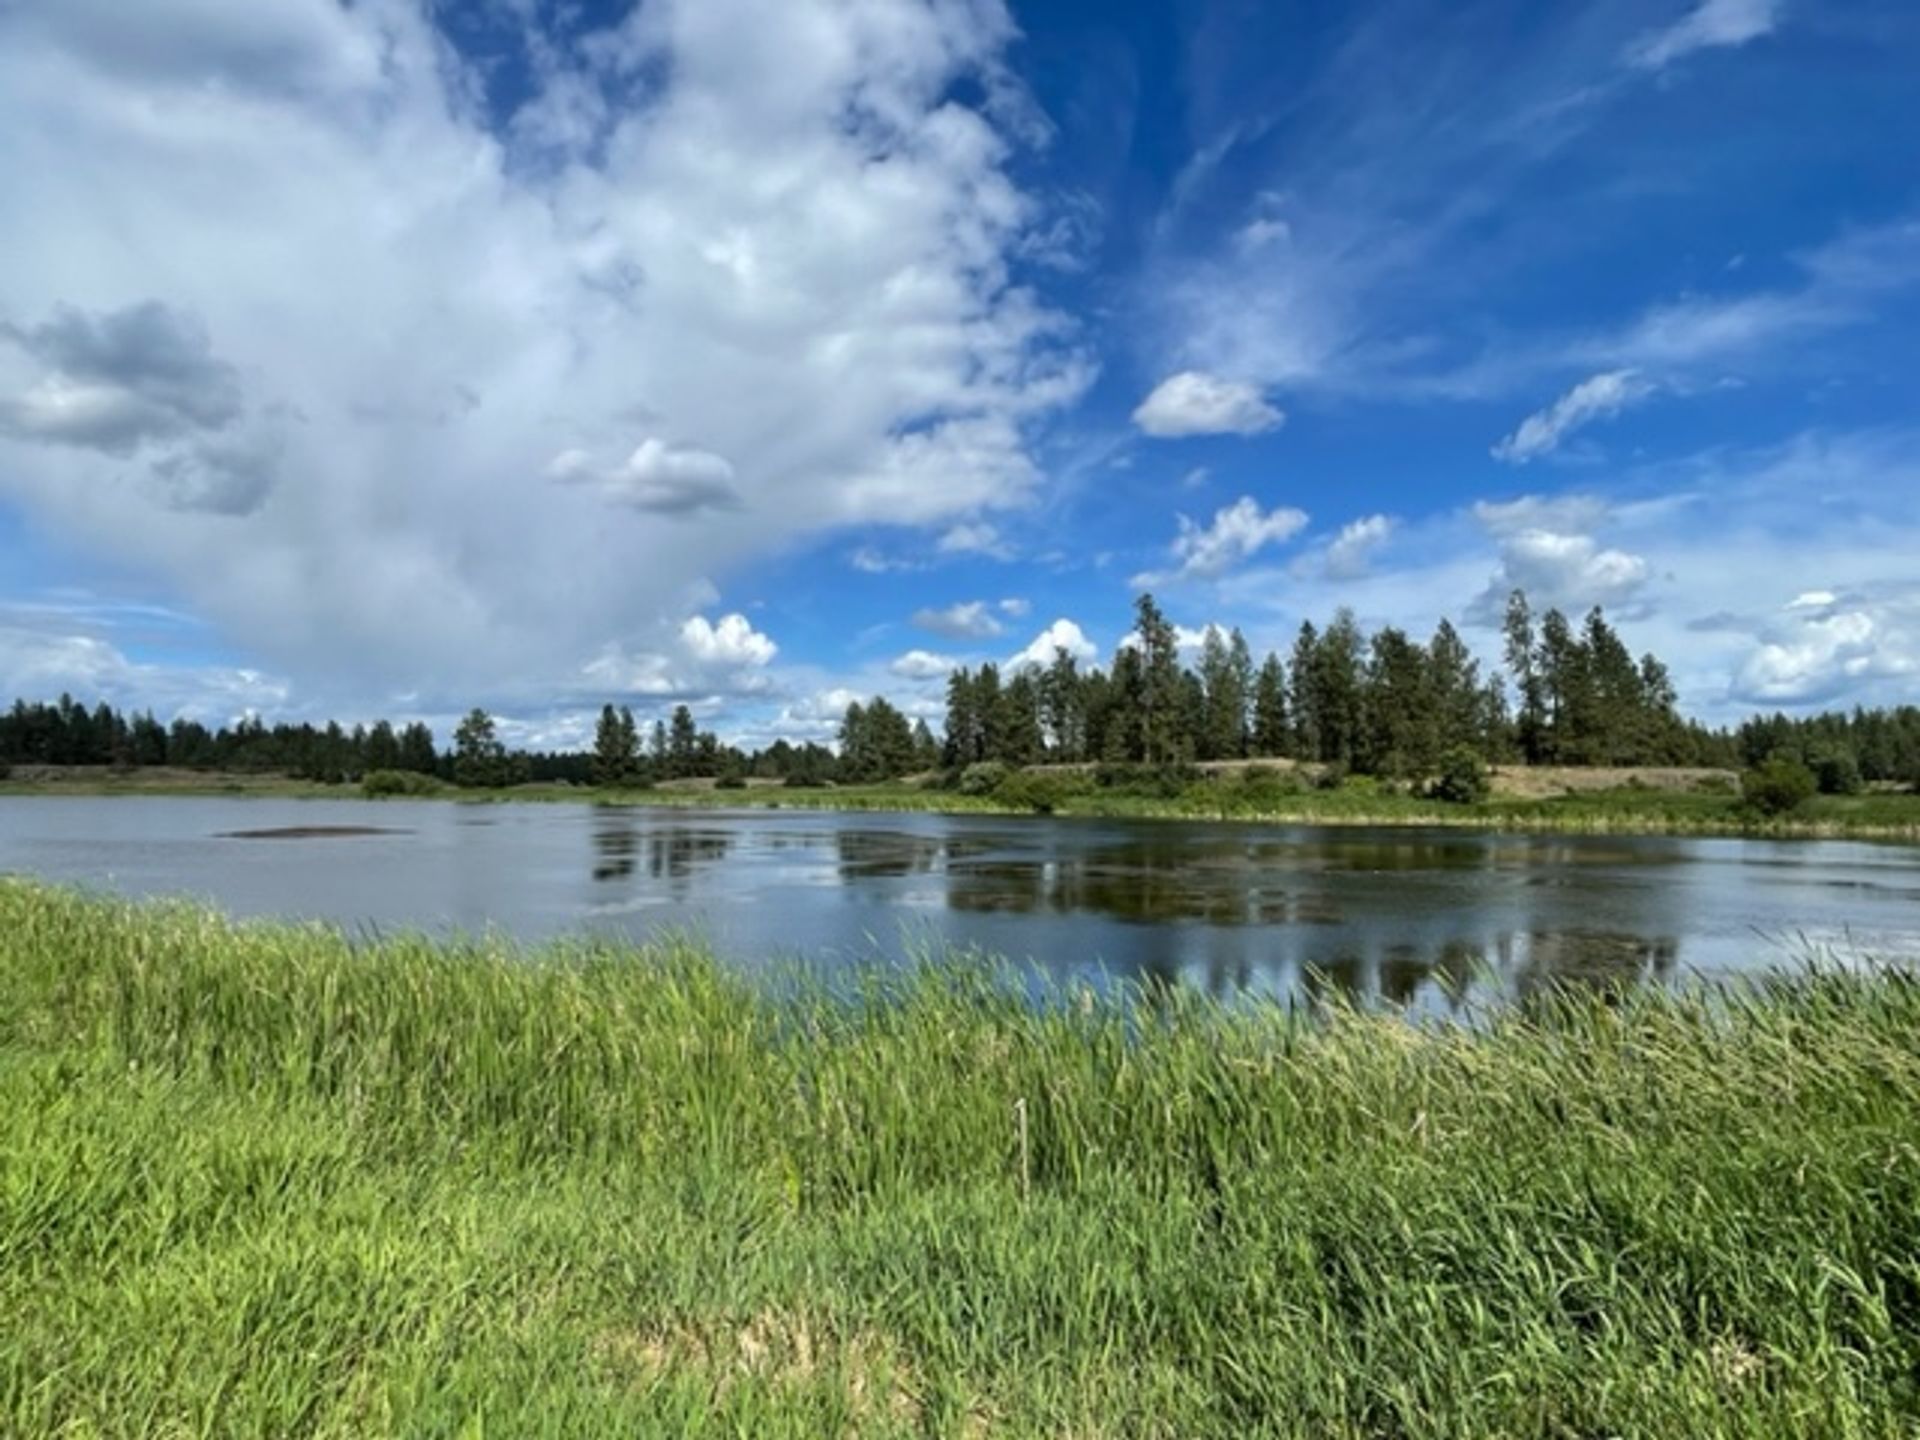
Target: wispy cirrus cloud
<point>1710,25</point>
<point>1598,397</point>
<point>964,620</point>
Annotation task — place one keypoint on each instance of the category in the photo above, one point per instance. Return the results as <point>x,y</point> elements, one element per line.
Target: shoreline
<point>1636,812</point>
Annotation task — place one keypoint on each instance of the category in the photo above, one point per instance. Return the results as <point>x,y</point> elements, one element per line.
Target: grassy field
<point>260,1181</point>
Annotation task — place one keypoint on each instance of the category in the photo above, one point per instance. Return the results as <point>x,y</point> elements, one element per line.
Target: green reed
<point>260,1180</point>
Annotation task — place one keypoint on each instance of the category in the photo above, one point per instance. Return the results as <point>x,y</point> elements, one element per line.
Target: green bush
<point>1838,773</point>
<point>1263,782</point>
<point>1778,787</point>
<point>1463,778</point>
<point>983,777</point>
<point>1042,794</point>
<point>731,782</point>
<point>377,784</point>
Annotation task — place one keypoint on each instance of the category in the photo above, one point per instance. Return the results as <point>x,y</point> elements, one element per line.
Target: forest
<point>1384,704</point>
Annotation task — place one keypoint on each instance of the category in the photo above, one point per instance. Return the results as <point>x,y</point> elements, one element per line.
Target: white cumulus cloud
<point>1236,533</point>
<point>763,253</point>
<point>1194,403</point>
<point>1060,635</point>
<point>921,665</point>
<point>1823,645</point>
<point>732,642</point>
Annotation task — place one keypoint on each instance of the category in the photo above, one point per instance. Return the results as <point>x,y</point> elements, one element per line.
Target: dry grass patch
<point>775,1349</point>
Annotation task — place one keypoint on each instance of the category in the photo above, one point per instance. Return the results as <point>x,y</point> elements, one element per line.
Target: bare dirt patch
<point>1541,782</point>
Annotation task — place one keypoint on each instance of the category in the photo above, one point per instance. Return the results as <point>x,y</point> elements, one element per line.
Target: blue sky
<point>393,358</point>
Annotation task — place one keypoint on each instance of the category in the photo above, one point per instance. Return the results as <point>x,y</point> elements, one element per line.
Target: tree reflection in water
<point>1427,923</point>
<point>623,842</point>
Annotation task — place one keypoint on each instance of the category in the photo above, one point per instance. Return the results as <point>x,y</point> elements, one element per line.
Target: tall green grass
<point>266,1181</point>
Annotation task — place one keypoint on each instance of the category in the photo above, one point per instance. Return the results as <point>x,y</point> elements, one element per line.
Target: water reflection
<point>1428,921</point>
<point>625,841</point>
<point>1422,921</point>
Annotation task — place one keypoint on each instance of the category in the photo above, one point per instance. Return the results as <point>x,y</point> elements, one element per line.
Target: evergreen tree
<point>683,744</point>
<point>1240,662</point>
<point>1222,731</point>
<point>1337,683</point>
<point>926,750</point>
<point>417,751</point>
<point>616,748</point>
<point>1303,701</point>
<point>966,728</point>
<point>1063,706</point>
<point>1160,685</point>
<point>479,759</point>
<point>1271,734</point>
<point>1530,720</point>
<point>1016,728</point>
<point>1458,698</point>
<point>1400,737</point>
<point>383,747</point>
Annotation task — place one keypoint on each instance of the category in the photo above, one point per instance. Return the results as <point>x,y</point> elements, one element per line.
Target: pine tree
<point>1160,684</point>
<point>616,757</point>
<point>1303,699</point>
<point>479,759</point>
<point>683,744</point>
<point>1337,689</point>
<point>1223,721</point>
<point>1063,706</point>
<point>1523,663</point>
<point>1459,703</point>
<point>1271,734</point>
<point>1401,737</point>
<point>1017,736</point>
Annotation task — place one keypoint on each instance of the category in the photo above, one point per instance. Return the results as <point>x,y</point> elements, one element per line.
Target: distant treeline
<point>1387,704</point>
<point>1383,704</point>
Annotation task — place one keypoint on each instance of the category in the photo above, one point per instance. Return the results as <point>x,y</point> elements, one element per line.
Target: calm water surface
<point>1406,916</point>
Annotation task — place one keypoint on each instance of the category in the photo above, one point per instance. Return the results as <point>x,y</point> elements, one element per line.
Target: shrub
<point>1837,773</point>
<point>1462,779</point>
<point>1330,776</point>
<point>1261,781</point>
<point>1778,787</point>
<point>376,784</point>
<point>983,777</point>
<point>1028,792</point>
<point>731,782</point>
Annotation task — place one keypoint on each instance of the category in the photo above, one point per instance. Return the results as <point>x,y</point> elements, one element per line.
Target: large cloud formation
<point>284,264</point>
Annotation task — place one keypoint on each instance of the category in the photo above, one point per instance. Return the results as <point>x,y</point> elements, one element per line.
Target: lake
<point>1411,917</point>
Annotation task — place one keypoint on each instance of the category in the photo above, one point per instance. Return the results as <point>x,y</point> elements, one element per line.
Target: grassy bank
<point>264,1182</point>
<point>1259,796</point>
